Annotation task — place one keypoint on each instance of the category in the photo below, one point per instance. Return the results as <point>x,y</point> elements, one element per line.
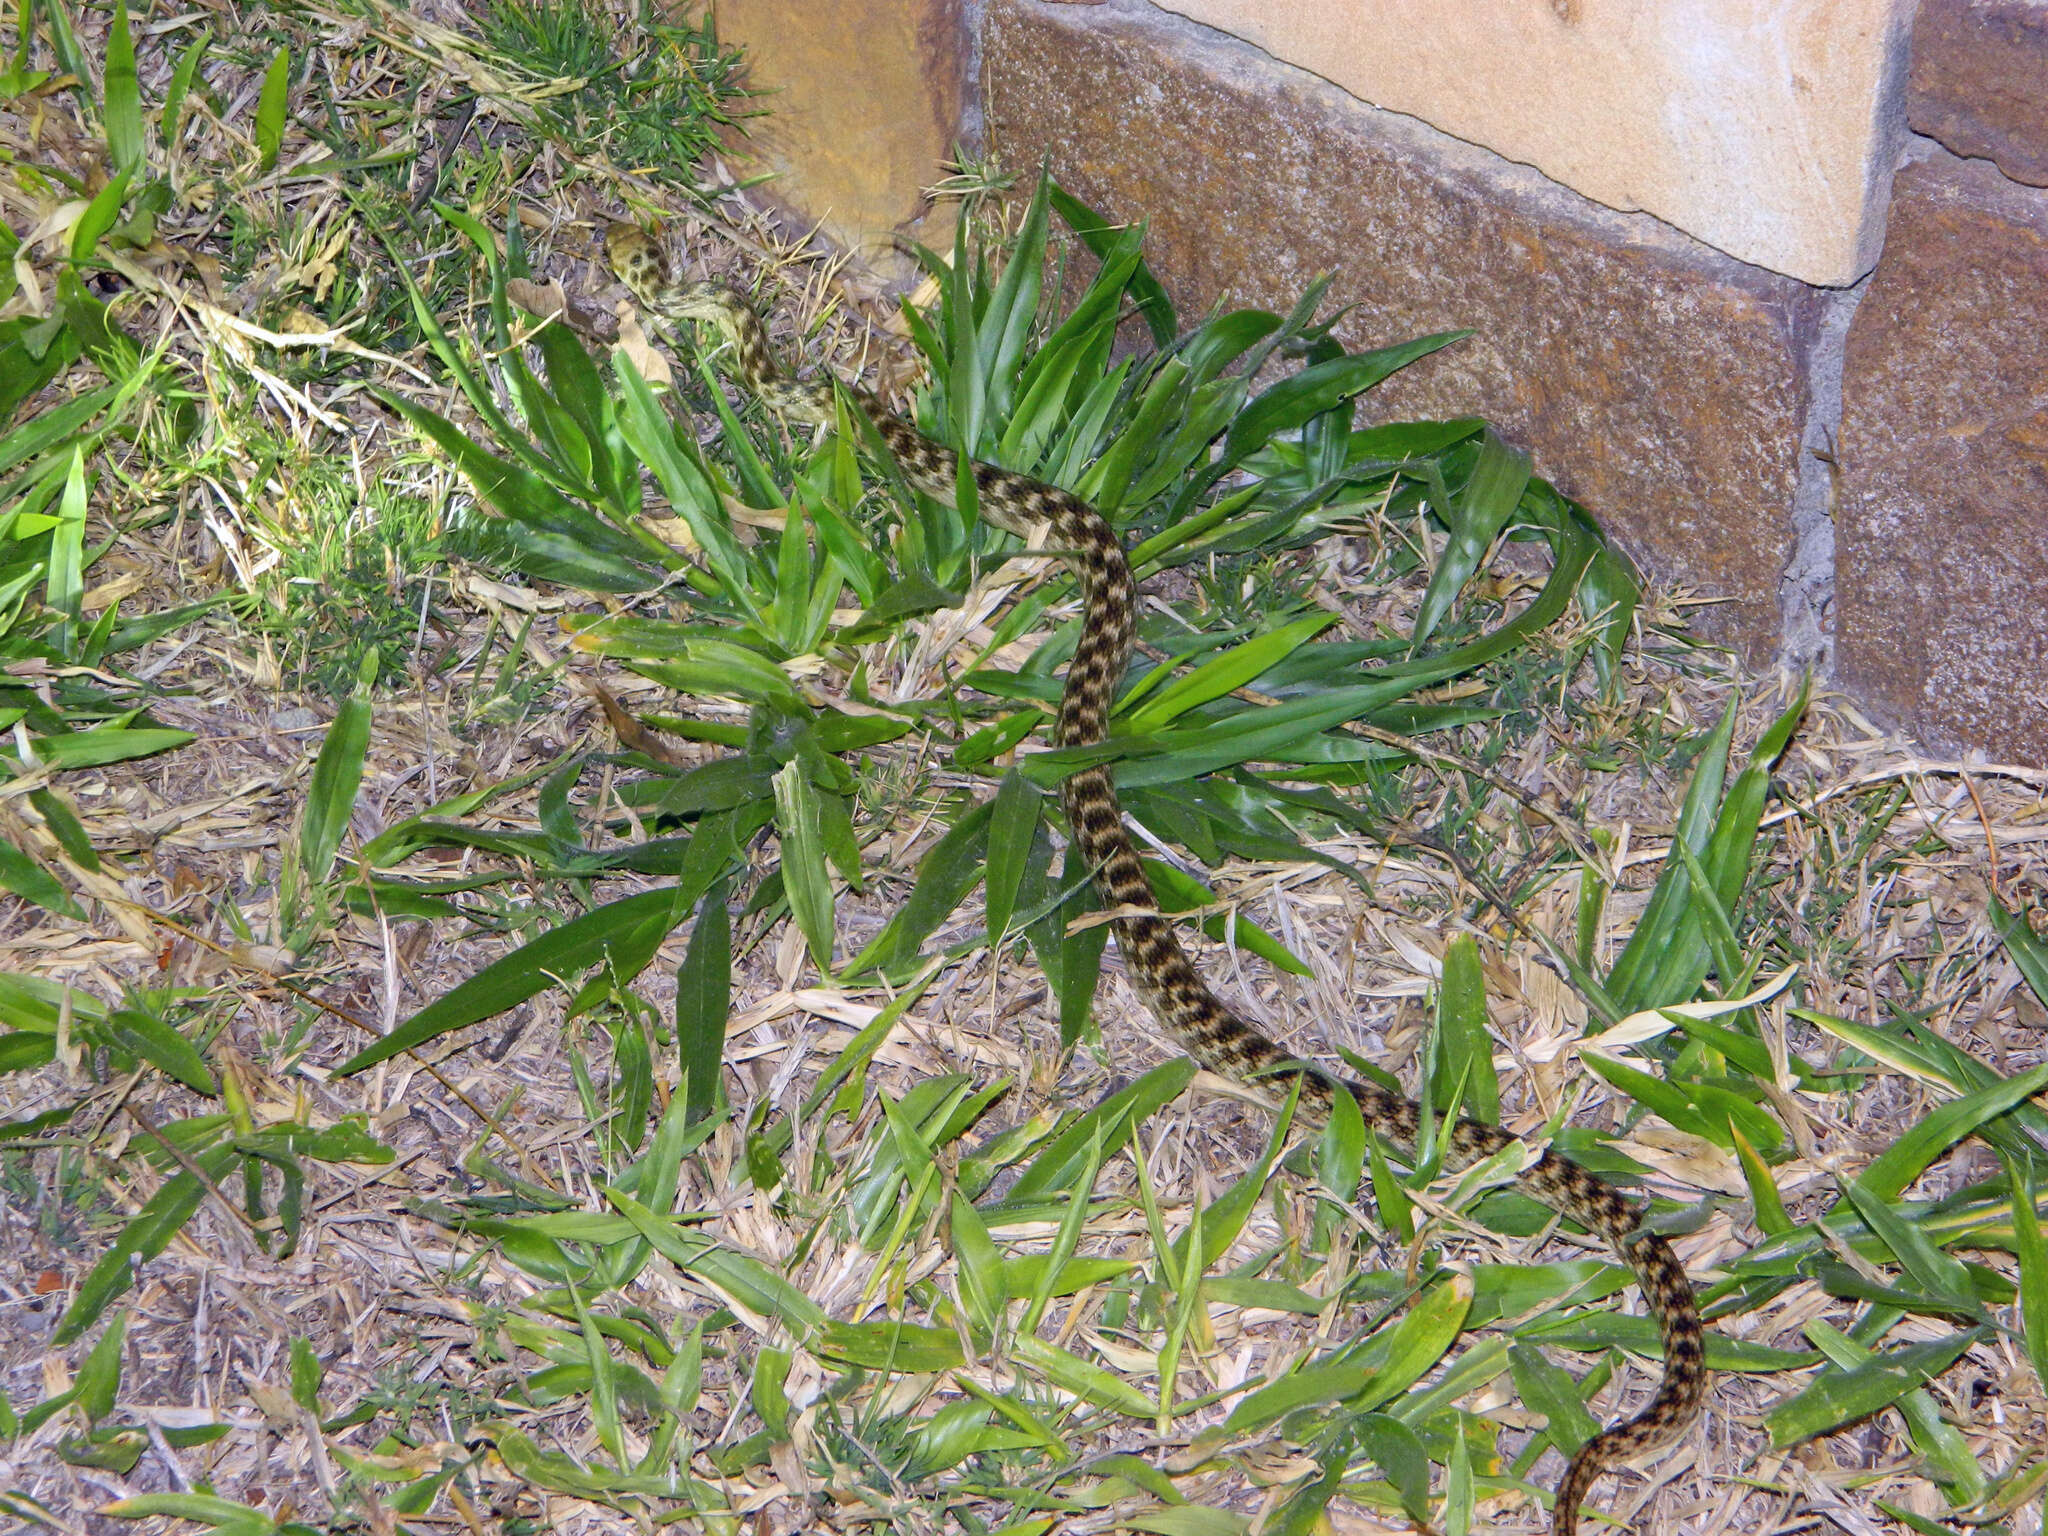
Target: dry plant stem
<point>1172,988</point>
<point>186,1161</point>
<point>1911,768</point>
<point>1489,894</point>
<point>1990,840</point>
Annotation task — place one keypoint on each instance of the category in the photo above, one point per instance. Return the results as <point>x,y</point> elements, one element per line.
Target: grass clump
<point>200,274</point>
<point>653,93</point>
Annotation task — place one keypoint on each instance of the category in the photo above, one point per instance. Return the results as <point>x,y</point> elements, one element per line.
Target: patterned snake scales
<point>1153,957</point>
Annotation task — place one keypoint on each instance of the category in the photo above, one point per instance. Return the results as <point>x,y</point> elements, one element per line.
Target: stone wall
<point>1941,554</point>
<point>1854,469</point>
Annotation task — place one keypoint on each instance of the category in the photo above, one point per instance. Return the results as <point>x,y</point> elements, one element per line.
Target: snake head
<point>637,260</point>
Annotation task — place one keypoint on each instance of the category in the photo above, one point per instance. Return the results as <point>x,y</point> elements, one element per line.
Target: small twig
<point>1912,766</point>
<point>242,962</point>
<point>186,1161</point>
<point>1493,897</point>
<point>1990,841</point>
<point>431,182</point>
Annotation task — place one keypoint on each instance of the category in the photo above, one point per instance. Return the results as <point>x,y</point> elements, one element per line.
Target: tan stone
<point>1979,82</point>
<point>1762,127</point>
<point>1942,520</point>
<point>863,111</point>
<point>1657,381</point>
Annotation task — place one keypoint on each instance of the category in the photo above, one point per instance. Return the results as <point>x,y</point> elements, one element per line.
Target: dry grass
<point>393,1307</point>
<point>1873,875</point>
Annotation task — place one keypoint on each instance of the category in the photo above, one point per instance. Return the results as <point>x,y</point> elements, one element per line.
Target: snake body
<point>1172,988</point>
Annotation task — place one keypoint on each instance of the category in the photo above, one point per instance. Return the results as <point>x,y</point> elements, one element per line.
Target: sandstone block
<point>1766,128</point>
<point>1979,82</point>
<point>1661,383</point>
<point>1942,519</point>
<point>864,108</point>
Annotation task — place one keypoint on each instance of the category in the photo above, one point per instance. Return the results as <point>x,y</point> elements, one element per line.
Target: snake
<point>1159,968</point>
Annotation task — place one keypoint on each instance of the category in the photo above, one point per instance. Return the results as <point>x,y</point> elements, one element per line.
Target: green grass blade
<point>64,584</point>
<point>145,1236</point>
<point>99,1379</point>
<point>955,865</point>
<point>219,1515</point>
<point>1551,1392</point>
<point>1102,1131</point>
<point>1475,517</point>
<point>621,935</point>
<point>331,795</point>
<point>270,111</point>
<point>1947,1457</point>
<point>704,1003</point>
<point>1102,238</point>
<point>1176,891</point>
<point>1065,1239</point>
<point>155,1041</point>
<point>1108,483</point>
<point>122,105</point>
<point>686,483</point>
<point>1461,1034</point>
<point>805,879</point>
<point>29,880</point>
<point>1842,1396</point>
<point>1767,1205</point>
<point>105,744</point>
<point>1608,597</point>
<point>1632,983</point>
<point>1889,1174</point>
<point>1231,670</point>
<point>552,537</point>
<point>1082,341</point>
<point>2027,949</point>
<point>1294,400</point>
<point>171,121</point>
<point>604,1380</point>
<point>1725,857</point>
<point>978,1266</point>
<point>1701,1108</point>
<point>1329,1381</point>
<point>1013,307</point>
<point>2031,1248</point>
<point>1225,1218</point>
<point>1012,828</point>
<point>966,383</point>
<point>1939,1275</point>
<point>1086,1380</point>
<point>1340,1159</point>
<point>1399,1454</point>
<point>1402,1355</point>
<point>1459,1493</point>
<point>1078,965</point>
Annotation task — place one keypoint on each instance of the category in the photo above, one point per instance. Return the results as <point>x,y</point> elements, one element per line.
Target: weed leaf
<point>621,935</point>
<point>270,111</point>
<point>331,796</point>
